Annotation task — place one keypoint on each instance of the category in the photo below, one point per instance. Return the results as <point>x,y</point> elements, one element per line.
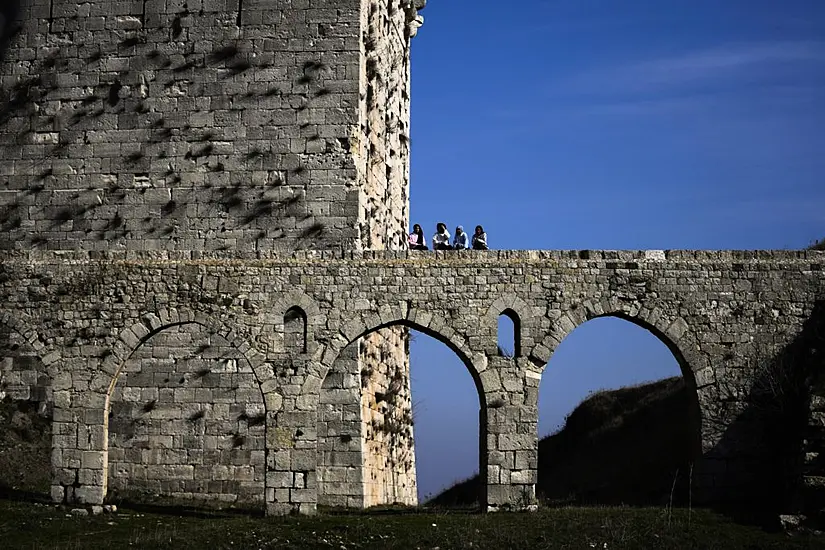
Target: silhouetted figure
<point>480,239</point>
<point>461,240</point>
<point>417,239</point>
<point>441,239</point>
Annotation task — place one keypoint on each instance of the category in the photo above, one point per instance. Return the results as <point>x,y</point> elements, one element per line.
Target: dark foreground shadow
<point>21,495</point>
<point>185,509</point>
<point>758,465</point>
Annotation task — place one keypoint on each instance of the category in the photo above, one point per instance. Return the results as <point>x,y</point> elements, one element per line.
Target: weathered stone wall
<point>23,377</point>
<point>186,420</point>
<point>341,433</point>
<point>383,144</point>
<point>181,125</point>
<point>386,415</point>
<point>236,126</point>
<point>725,315</point>
<point>25,411</point>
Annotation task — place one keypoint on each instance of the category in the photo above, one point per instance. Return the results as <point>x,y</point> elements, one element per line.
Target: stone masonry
<point>241,348</point>
<point>227,127</point>
<point>204,125</point>
<point>202,210</point>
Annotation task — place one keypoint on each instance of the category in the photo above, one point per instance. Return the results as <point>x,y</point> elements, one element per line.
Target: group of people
<point>441,239</point>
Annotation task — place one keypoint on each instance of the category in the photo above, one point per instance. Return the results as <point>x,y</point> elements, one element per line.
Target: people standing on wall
<point>460,241</point>
<point>417,239</point>
<point>480,239</point>
<point>441,239</point>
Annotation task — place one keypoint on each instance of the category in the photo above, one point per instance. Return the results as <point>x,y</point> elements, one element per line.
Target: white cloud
<point>701,67</point>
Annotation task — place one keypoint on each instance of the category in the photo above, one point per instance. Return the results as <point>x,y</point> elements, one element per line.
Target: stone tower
<point>231,128</point>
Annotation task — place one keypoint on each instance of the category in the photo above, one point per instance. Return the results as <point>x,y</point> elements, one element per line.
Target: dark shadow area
<point>185,508</point>
<point>394,511</point>
<point>631,446</point>
<point>25,450</point>
<point>9,10</point>
<point>18,495</point>
<point>759,465</point>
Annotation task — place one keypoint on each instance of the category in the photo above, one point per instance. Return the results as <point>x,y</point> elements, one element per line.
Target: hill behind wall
<point>617,447</point>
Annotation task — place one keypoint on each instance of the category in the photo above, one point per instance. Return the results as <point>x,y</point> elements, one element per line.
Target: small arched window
<point>295,330</point>
<point>509,334</point>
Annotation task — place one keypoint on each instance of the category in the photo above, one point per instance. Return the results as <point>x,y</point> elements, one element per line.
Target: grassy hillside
<point>617,447</point>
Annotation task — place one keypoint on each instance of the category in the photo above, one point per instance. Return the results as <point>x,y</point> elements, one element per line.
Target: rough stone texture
<point>199,125</point>
<point>238,126</point>
<point>366,454</point>
<point>186,420</point>
<point>382,145</point>
<point>25,411</point>
<point>723,314</point>
<point>386,418</point>
<point>156,157</point>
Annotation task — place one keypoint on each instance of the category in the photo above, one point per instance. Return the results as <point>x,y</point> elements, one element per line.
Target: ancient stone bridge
<point>117,342</point>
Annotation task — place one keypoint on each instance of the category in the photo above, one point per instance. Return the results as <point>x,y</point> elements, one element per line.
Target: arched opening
<point>295,330</point>
<point>25,418</point>
<point>186,421</point>
<point>618,418</point>
<point>509,334</point>
<point>392,431</point>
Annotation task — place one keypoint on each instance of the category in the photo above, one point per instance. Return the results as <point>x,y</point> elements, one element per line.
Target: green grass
<point>26,525</point>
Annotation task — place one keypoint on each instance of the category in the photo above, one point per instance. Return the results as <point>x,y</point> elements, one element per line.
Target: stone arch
<point>296,301</point>
<point>672,330</point>
<point>130,339</point>
<point>21,325</point>
<point>222,412</point>
<point>389,316</point>
<point>519,313</point>
<point>367,484</point>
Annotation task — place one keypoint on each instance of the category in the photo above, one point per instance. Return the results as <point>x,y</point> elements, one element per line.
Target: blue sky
<point>619,125</point>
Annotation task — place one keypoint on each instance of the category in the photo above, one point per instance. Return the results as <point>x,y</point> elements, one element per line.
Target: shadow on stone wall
<point>25,450</point>
<point>9,10</point>
<point>25,420</point>
<point>758,464</point>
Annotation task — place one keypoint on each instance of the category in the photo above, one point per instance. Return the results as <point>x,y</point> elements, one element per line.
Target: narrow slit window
<point>509,334</point>
<point>295,330</point>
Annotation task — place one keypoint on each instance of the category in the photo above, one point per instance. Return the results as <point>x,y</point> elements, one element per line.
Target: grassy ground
<point>27,525</point>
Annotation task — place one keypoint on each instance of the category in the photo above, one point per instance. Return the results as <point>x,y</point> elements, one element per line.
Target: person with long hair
<point>417,239</point>
<point>480,239</point>
<point>441,239</point>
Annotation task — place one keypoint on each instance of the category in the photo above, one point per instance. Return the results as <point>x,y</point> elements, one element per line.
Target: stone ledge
<point>644,257</point>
